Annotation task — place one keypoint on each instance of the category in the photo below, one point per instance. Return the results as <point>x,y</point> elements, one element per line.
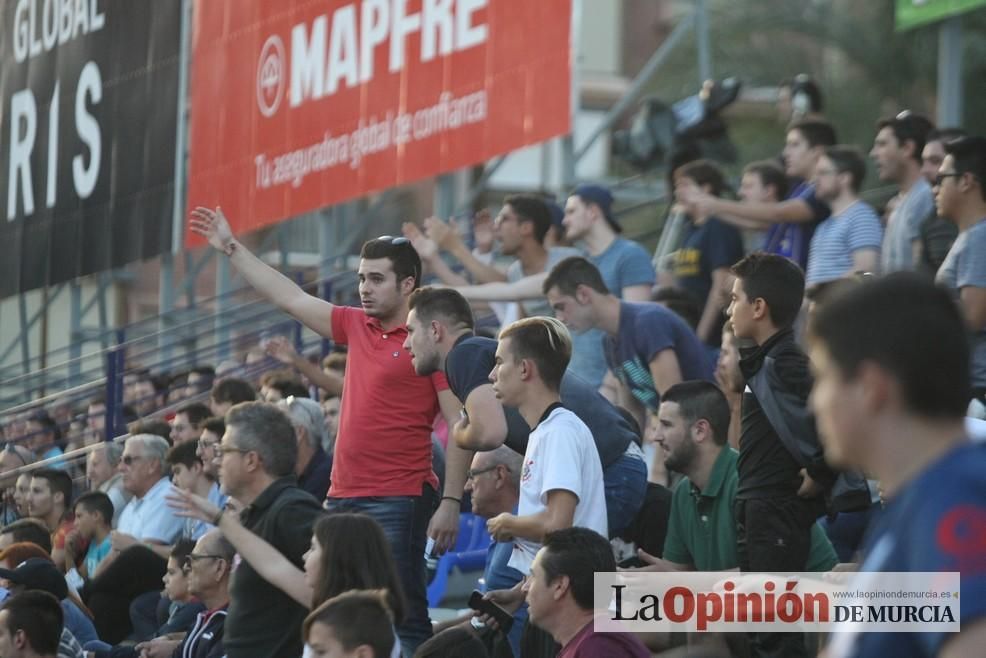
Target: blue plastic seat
<point>469,555</point>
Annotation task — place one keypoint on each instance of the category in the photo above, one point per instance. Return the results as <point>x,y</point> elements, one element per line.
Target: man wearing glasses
<point>207,569</point>
<point>960,194</point>
<point>382,459</point>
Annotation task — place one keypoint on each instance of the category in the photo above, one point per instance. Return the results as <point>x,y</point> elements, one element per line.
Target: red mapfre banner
<point>299,104</point>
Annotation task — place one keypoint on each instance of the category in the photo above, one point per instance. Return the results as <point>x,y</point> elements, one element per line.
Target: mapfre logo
<point>271,76</point>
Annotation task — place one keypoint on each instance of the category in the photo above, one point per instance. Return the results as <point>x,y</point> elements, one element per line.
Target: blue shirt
<point>195,528</point>
<point>499,576</point>
<point>96,553</point>
<point>78,623</point>
<point>623,264</point>
<point>792,240</point>
<point>936,523</point>
<point>647,329</point>
<point>838,238</point>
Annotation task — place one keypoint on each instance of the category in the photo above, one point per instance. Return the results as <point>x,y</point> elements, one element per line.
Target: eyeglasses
<point>394,239</point>
<point>130,459</point>
<point>225,450</point>
<point>471,474</point>
<point>207,445</point>
<point>940,178</point>
<point>191,558</point>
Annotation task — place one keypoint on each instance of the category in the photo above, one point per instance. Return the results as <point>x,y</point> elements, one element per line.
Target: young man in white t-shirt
<point>561,482</point>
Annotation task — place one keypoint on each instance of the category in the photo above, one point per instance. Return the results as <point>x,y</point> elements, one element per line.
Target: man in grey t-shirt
<point>961,197</point>
<point>897,152</point>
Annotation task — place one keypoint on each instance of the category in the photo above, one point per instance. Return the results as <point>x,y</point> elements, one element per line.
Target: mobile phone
<point>502,617</point>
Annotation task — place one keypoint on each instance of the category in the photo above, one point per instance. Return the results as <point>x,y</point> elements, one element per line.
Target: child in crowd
<point>93,524</point>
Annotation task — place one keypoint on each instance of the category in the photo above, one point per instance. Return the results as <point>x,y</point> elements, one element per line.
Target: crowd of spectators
<point>656,413</point>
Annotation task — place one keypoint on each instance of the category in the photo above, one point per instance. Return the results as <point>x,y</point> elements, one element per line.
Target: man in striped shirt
<point>849,240</point>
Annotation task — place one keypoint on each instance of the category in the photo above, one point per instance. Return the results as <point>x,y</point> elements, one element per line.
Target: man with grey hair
<point>259,452</point>
<point>103,475</point>
<point>142,541</point>
<point>494,485</point>
<point>313,466</point>
<point>146,518</point>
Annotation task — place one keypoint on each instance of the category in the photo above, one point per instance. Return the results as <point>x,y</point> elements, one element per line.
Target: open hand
<point>442,233</point>
<point>193,506</point>
<point>213,226</point>
<point>426,248</point>
<point>281,349</point>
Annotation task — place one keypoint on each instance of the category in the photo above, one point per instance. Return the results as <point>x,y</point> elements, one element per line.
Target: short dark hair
<point>47,423</point>
<point>701,400</point>
<point>287,385</point>
<point>771,175</point>
<point>155,426</point>
<point>356,618</point>
<point>216,425</point>
<point>944,135</point>
<point>817,132</point>
<point>546,342</point>
<point>39,615</point>
<point>58,482</point>
<point>774,279</point>
<point>531,208</point>
<point>969,154</point>
<point>704,172</point>
<point>908,127</point>
<point>266,429</point>
<point>196,413</point>
<point>909,327</point>
<point>182,549</point>
<point>185,454</point>
<point>682,302</point>
<point>577,553</point>
<point>99,503</point>
<point>401,254</point>
<point>29,530</point>
<point>431,303</point>
<point>454,642</point>
<point>233,390</point>
<point>573,272</point>
<point>848,160</point>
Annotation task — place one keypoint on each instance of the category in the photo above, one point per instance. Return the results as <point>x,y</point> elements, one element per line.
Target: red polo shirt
<point>383,447</point>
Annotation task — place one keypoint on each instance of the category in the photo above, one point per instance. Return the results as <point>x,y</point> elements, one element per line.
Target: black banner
<point>89,92</point>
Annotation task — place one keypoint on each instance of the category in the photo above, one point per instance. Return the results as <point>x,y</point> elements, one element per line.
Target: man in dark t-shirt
<point>440,337</point>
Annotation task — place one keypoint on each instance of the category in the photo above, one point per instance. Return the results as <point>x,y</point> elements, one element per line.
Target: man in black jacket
<point>783,477</point>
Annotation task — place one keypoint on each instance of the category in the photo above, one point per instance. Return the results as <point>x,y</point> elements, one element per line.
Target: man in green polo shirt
<point>693,422</point>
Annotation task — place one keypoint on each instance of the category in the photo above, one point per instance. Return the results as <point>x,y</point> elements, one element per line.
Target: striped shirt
<point>837,238</point>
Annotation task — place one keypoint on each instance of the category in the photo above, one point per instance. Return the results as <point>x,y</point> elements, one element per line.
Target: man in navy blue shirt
<point>440,337</point>
<point>648,347</point>
<point>892,382</point>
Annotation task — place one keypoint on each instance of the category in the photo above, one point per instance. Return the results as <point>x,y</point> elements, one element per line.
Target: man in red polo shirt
<point>382,461</point>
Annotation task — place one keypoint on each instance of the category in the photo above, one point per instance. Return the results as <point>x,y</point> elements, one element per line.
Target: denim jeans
<point>625,483</point>
<point>404,520</point>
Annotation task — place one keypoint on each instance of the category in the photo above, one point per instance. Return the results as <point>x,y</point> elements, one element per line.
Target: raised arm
<point>747,214</point>
<point>269,562</point>
<point>527,288</point>
<point>281,349</point>
<point>271,284</point>
<point>447,239</point>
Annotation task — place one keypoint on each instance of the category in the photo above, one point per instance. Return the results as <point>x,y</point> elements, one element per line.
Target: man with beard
<point>692,427</point>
